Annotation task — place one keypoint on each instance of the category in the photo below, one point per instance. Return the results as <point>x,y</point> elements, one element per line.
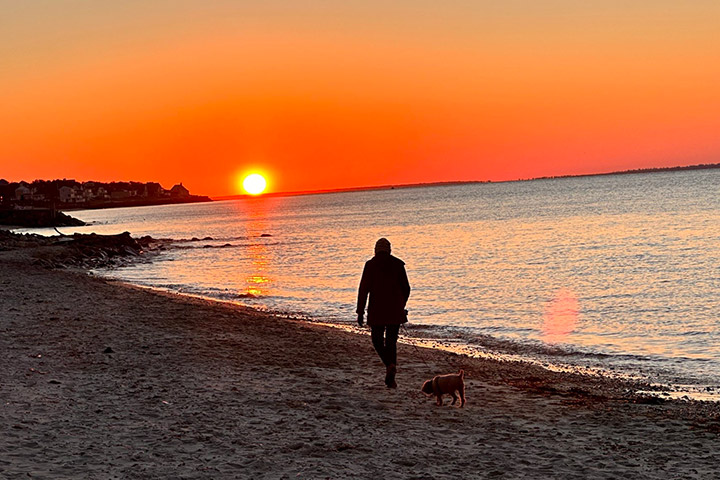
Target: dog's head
<point>427,388</point>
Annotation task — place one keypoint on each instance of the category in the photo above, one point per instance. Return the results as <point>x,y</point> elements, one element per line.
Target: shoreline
<point>644,386</point>
<point>92,253</point>
<point>103,378</point>
<point>466,350</point>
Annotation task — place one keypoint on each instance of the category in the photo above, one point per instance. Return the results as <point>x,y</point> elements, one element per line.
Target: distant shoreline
<point>707,166</point>
<point>702,166</point>
<point>69,194</point>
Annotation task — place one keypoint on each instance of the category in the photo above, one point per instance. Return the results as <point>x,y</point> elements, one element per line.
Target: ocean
<point>610,275</point>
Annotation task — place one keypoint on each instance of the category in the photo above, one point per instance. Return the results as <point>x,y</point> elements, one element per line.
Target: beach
<point>102,379</point>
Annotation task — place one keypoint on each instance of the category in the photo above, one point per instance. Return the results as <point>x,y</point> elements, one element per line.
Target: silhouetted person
<point>385,280</point>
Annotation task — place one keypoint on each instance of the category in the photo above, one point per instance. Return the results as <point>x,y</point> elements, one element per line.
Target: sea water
<point>617,273</point>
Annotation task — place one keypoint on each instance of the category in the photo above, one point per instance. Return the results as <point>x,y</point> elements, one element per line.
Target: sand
<point>104,380</point>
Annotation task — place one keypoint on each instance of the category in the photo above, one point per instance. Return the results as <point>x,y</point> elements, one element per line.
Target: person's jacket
<point>385,280</point>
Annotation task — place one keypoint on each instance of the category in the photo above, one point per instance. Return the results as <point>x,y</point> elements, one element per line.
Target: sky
<point>326,95</point>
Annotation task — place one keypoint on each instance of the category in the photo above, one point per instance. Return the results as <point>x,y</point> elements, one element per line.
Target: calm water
<point>616,272</point>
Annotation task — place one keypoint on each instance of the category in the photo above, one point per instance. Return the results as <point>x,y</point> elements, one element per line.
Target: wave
<point>467,335</point>
<point>219,294</point>
<point>216,239</point>
<point>172,246</point>
<point>196,247</point>
<point>188,240</point>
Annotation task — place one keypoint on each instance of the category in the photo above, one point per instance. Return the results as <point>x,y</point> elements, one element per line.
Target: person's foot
<point>390,376</point>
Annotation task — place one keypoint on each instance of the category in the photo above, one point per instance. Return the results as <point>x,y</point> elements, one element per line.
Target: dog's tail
<point>461,373</point>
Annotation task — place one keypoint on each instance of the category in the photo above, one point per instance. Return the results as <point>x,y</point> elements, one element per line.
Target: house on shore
<point>22,192</point>
<point>179,191</point>
<point>121,194</point>
<point>68,194</point>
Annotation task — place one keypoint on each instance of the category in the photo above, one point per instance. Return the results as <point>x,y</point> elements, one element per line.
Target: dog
<point>446,384</point>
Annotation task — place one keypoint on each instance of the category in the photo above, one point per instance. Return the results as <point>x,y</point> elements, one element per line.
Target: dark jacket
<point>385,280</point>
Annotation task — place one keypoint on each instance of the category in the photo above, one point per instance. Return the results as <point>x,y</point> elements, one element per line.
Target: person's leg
<point>377,333</point>
<point>391,337</point>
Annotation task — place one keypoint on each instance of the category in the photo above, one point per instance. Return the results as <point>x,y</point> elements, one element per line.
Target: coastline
<point>103,378</point>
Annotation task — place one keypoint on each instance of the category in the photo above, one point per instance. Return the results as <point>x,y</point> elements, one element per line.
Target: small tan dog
<point>446,384</point>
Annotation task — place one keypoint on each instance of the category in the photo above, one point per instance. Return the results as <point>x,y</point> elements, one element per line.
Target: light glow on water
<point>258,278</point>
<point>561,316</point>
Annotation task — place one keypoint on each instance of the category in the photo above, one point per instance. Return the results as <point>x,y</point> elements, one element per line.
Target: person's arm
<point>363,291</point>
<point>404,284</point>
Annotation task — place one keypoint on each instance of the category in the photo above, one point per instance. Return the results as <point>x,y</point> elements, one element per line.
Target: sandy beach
<point>105,380</point>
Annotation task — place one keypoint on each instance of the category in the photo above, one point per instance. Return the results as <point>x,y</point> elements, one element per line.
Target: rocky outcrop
<point>78,250</point>
<point>38,218</point>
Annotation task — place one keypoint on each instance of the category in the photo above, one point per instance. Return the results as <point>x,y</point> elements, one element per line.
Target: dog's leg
<point>462,395</point>
<point>454,398</point>
<point>439,401</point>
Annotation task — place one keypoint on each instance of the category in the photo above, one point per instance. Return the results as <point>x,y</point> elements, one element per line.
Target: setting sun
<point>254,184</point>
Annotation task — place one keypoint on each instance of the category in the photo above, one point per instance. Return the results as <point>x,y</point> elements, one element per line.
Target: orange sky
<point>324,96</point>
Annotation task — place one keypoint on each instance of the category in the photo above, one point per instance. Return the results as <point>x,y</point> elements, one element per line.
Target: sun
<point>254,184</point>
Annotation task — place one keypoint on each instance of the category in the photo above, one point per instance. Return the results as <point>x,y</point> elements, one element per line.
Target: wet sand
<point>105,380</point>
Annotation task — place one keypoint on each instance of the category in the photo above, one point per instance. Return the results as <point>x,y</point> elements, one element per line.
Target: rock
<point>38,217</point>
<point>649,400</point>
<point>146,241</point>
<point>77,250</point>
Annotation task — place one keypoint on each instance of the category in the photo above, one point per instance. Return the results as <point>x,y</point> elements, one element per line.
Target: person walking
<point>385,281</point>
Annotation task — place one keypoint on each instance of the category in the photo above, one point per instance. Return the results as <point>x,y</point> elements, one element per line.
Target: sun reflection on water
<point>258,279</point>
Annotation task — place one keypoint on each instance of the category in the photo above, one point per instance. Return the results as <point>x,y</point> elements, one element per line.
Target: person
<point>385,281</point>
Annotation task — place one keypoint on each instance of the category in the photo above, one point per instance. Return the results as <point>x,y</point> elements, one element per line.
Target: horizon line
<point>239,196</point>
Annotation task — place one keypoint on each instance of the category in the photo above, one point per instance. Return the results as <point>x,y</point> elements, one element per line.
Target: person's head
<point>382,246</point>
